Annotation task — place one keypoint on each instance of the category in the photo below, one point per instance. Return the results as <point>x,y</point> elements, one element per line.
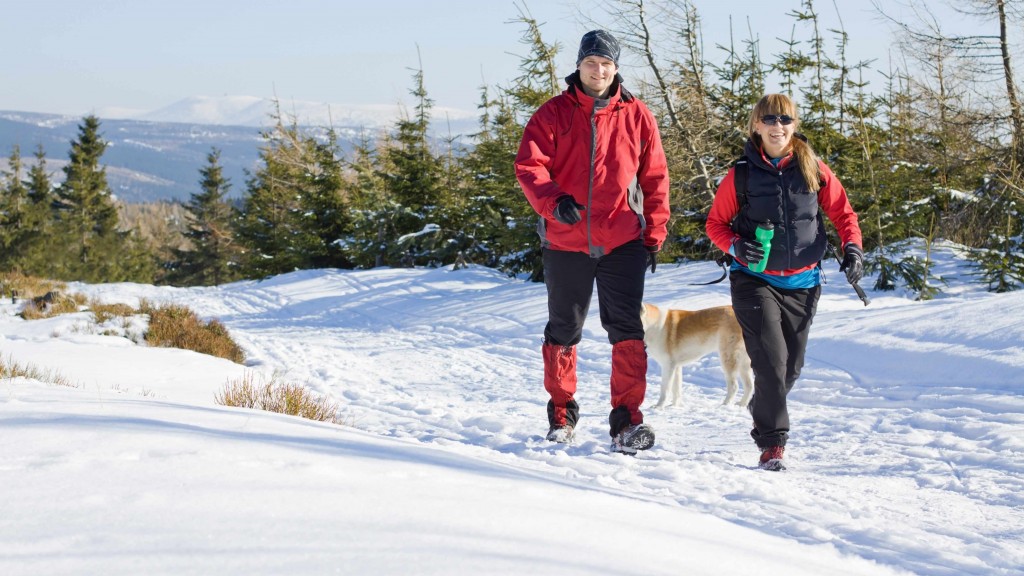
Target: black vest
<point>782,198</point>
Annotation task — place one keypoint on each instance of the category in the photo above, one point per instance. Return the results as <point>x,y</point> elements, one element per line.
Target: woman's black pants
<point>776,323</point>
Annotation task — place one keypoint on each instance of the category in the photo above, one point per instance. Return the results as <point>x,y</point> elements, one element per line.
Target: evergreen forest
<point>934,152</point>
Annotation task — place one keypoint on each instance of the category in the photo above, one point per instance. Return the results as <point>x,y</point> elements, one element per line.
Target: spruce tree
<point>294,215</point>
<point>213,257</point>
<point>88,247</point>
<point>412,177</point>
<point>327,210</point>
<point>14,214</point>
<point>513,223</point>
<point>371,208</point>
<point>506,237</point>
<point>37,253</point>
<point>268,219</point>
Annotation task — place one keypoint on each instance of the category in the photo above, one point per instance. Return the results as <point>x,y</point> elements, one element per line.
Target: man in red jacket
<point>591,164</point>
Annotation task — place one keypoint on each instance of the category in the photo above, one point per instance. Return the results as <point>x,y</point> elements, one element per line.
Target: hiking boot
<point>561,434</point>
<point>771,458</point>
<point>633,438</point>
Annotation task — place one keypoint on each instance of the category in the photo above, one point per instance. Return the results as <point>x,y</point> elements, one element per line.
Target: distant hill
<point>156,156</point>
<point>146,161</point>
<point>256,112</point>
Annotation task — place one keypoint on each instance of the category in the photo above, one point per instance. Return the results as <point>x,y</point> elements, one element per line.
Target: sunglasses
<point>771,119</point>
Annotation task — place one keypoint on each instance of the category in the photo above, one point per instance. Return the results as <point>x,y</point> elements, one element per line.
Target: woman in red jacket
<point>786,184</point>
<point>591,164</point>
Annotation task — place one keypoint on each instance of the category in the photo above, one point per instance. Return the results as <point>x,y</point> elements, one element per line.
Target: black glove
<point>853,263</point>
<point>568,210</point>
<point>652,258</point>
<point>748,251</point>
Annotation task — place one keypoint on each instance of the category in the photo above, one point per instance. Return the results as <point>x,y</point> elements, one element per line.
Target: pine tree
<point>37,251</point>
<point>213,257</point>
<point>326,210</point>
<point>463,224</point>
<point>741,83</point>
<point>294,215</point>
<point>90,248</point>
<point>366,243</point>
<point>413,180</point>
<point>14,215</point>
<point>505,224</point>
<point>1000,264</point>
<point>509,221</point>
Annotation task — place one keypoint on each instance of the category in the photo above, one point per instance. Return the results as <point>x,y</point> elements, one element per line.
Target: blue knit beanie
<point>599,43</point>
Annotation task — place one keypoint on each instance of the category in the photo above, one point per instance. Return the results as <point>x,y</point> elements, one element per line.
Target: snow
<point>258,112</point>
<point>906,454</point>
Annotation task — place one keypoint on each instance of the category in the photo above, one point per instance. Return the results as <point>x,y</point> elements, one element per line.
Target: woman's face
<point>776,131</point>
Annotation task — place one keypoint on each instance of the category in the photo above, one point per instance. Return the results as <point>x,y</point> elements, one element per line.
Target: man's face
<point>597,74</point>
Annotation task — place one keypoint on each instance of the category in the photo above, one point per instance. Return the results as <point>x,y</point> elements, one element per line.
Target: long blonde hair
<point>805,156</point>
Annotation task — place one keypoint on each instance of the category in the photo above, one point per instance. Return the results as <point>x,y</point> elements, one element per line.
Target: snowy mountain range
<point>257,112</point>
<point>156,155</point>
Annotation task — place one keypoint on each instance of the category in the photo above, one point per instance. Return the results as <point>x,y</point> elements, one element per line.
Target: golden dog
<point>677,337</point>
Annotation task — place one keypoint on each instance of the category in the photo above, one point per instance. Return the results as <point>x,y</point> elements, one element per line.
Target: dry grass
<point>11,369</point>
<point>170,326</point>
<point>52,304</point>
<point>175,326</point>
<point>105,312</point>
<point>26,287</point>
<point>275,396</point>
<point>43,298</point>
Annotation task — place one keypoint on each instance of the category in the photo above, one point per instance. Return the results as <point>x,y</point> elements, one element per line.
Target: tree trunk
<point>1016,116</point>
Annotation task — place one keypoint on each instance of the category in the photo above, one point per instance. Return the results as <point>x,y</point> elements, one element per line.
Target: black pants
<point>775,324</point>
<point>570,277</point>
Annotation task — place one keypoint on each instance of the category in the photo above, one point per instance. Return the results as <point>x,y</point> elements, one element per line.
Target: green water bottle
<point>764,233</point>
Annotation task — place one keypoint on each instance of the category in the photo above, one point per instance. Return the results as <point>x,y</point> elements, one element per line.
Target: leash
<point>856,287</point>
<point>724,261</point>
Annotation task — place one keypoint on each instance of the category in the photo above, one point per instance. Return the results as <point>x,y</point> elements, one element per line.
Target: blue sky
<point>77,57</point>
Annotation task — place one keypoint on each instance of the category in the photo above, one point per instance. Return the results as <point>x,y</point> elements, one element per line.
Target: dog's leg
<point>677,385</point>
<point>730,386</point>
<point>734,364</point>
<point>727,356</point>
<point>748,386</point>
<point>666,376</point>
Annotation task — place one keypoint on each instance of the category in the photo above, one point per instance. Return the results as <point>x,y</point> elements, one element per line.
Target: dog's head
<point>650,315</point>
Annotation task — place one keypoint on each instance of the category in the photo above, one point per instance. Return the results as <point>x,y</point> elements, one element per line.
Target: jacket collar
<point>617,92</point>
<point>754,151</point>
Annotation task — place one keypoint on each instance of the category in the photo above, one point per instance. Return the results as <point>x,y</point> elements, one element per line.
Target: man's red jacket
<point>609,159</point>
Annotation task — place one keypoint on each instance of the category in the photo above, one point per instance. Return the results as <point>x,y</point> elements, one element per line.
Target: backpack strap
<point>739,179</point>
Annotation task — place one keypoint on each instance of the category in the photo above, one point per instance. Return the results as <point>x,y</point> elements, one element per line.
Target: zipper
<point>590,180</point>
<point>784,197</point>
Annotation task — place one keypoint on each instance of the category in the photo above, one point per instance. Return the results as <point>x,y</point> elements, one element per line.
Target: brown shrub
<point>11,369</point>
<point>52,303</point>
<point>274,396</point>
<point>104,312</point>
<point>175,326</point>
<point>27,287</point>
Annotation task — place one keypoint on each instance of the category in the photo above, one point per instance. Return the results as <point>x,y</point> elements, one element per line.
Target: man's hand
<point>568,210</point>
<point>652,257</point>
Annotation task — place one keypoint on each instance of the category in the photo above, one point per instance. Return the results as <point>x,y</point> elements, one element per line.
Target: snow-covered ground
<point>906,453</point>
